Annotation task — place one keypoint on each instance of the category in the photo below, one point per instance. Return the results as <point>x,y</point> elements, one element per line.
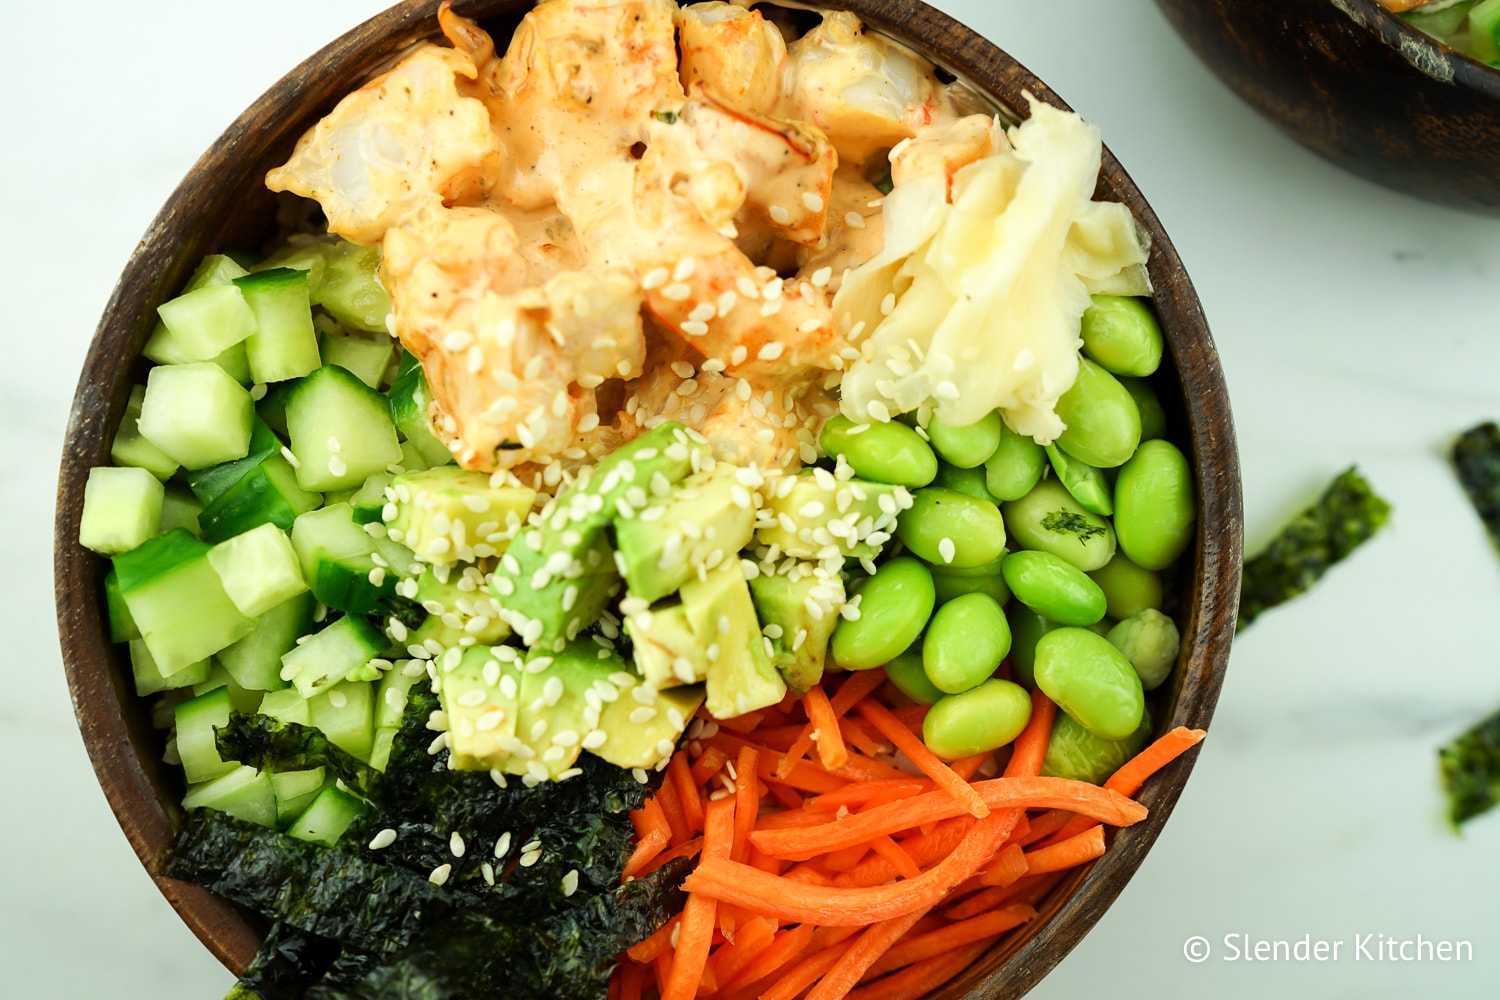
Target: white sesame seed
<point>739,355</point>
<point>530,858</point>
<point>337,466</point>
<point>684,269</point>
<point>655,278</point>
<point>502,846</point>
<point>813,201</point>
<point>693,327</point>
<point>570,882</point>
<point>810,324</point>
<point>854,220</point>
<point>947,550</point>
<point>779,215</point>
<point>385,838</point>
<point>488,871</point>
<point>456,845</point>
<point>677,292</point>
<point>770,352</point>
<point>440,874</point>
<point>821,276</point>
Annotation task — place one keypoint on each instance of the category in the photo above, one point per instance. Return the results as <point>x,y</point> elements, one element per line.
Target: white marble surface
<point>1355,325</point>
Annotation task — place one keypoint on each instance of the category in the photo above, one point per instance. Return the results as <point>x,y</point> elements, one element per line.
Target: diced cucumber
<point>259,569</point>
<point>340,430</point>
<point>1484,31</point>
<point>215,269</point>
<point>449,514</point>
<point>267,494</point>
<point>304,253</point>
<point>243,699</point>
<point>410,400</point>
<point>197,414</point>
<point>177,601</point>
<point>295,791</point>
<point>341,651</point>
<point>121,509</point>
<point>213,482</point>
<point>338,562</point>
<point>391,694</point>
<point>345,713</point>
<point>350,289</point>
<point>370,499</point>
<point>243,792</point>
<point>369,359</point>
<point>255,661</point>
<point>197,720</point>
<point>121,625</point>
<point>208,321</point>
<point>380,750</point>
<point>180,509</point>
<point>272,406</point>
<point>288,705</point>
<point>326,819</point>
<point>235,364</point>
<point>284,344</point>
<point>149,678</point>
<point>130,447</point>
<point>412,459</point>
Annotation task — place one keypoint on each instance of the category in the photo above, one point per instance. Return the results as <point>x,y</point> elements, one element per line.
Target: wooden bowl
<point>223,202</point>
<point>1361,87</point>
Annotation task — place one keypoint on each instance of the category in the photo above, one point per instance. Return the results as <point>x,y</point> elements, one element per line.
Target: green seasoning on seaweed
<point>1343,518</point>
<point>1471,770</point>
<point>1476,459</point>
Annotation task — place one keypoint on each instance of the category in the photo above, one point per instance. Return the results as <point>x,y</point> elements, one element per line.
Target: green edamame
<point>970,482</point>
<point>1150,642</point>
<point>1128,589</point>
<point>965,642</point>
<point>894,606</point>
<point>887,452</point>
<point>948,586</point>
<point>1053,587</point>
<point>1091,680</point>
<point>1074,752</point>
<point>1084,483</point>
<point>1102,424</point>
<point>1153,417</point>
<point>968,446</point>
<point>906,673</point>
<point>1121,334</point>
<point>977,721</point>
<point>1026,628</point>
<point>1154,512</point>
<point>1015,467</point>
<point>1048,519</point>
<point>949,529</point>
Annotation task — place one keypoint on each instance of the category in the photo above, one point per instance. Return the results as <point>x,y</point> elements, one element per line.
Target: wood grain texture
<point>222,202</point>
<point>1360,87</point>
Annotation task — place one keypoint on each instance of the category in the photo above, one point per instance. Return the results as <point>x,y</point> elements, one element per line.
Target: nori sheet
<point>1470,767</point>
<point>1476,460</point>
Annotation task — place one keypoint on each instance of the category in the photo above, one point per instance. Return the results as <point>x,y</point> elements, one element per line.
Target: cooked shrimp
<point>733,53</point>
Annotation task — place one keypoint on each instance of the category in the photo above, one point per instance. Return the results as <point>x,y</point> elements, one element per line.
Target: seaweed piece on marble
<point>1476,460</point>
<point>1470,768</point>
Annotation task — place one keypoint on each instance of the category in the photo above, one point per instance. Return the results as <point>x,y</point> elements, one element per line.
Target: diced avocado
<point>560,572</point>
<point>816,514</point>
<point>560,704</point>
<point>448,513</point>
<point>480,694</point>
<point>741,676</point>
<point>702,522</point>
<point>667,652</point>
<point>643,731</point>
<point>799,607</point>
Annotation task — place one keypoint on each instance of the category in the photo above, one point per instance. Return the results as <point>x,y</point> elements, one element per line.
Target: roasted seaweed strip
<point>1471,771</point>
<point>1476,460</point>
<point>1346,516</point>
<point>288,963</point>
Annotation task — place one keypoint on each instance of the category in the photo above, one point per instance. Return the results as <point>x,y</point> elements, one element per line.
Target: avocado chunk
<point>480,695</point>
<point>460,610</point>
<point>450,514</point>
<point>814,515</point>
<point>741,677</point>
<point>562,698</point>
<point>641,727</point>
<point>703,522</point>
<point>667,651</point>
<point>560,572</point>
<point>800,606</point>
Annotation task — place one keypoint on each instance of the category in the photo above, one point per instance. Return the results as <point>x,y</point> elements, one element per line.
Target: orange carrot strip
<point>1007,793</point>
<point>646,951</point>
<point>632,979</point>
<point>700,915</point>
<point>845,858</point>
<point>741,723</point>
<point>708,765</point>
<point>1023,827</point>
<point>899,859</point>
<point>857,687</point>
<point>910,717</point>
<point>752,937</point>
<point>784,948</point>
<point>647,848</point>
<point>686,849</point>
<point>1043,826</point>
<point>858,737</point>
<point>788,819</point>
<point>650,818</point>
<point>681,777</point>
<point>806,972</point>
<point>967,767</point>
<point>1134,772</point>
<point>806,874</point>
<point>1077,849</point>
<point>824,725</point>
<point>863,793</point>
<point>1008,867</point>
<point>790,901</point>
<point>1032,889</point>
<point>671,806</point>
<point>863,953</point>
<point>764,862</point>
<point>746,800</point>
<point>919,947</point>
<point>1030,748</point>
<point>795,753</point>
<point>923,977</point>
<point>923,849</point>
<point>982,902</point>
<point>785,795</point>
<point>862,768</point>
<point>661,968</point>
<point>910,744</point>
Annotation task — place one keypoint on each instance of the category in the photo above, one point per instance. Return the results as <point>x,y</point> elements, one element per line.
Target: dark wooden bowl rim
<point>201,217</point>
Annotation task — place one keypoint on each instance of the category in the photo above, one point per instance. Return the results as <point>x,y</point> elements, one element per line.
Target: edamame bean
<point>1150,642</point>
<point>1053,587</point>
<point>948,587</point>
<point>887,452</point>
<point>950,529</point>
<point>1154,512</point>
<point>1084,483</point>
<point>1026,627</point>
<point>1153,417</point>
<point>1090,680</point>
<point>968,446</point>
<point>906,673</point>
<point>965,642</point>
<point>969,482</point>
<point>1121,334</point>
<point>1128,589</point>
<point>1074,752</point>
<point>1102,424</point>
<point>1048,519</point>
<point>1015,467</point>
<point>894,606</point>
<point>977,721</point>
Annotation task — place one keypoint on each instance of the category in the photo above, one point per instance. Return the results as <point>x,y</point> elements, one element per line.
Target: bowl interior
<point>223,203</point>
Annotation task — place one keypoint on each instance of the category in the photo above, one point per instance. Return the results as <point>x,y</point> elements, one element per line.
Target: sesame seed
<point>739,355</point>
<point>693,327</point>
<point>337,466</point>
<point>779,215</point>
<point>530,858</point>
<point>854,220</point>
<point>684,269</point>
<point>488,871</point>
<point>946,549</point>
<point>813,201</point>
<point>770,352</point>
<point>457,340</point>
<point>502,846</point>
<point>745,287</point>
<point>677,292</point>
<point>810,324</point>
<point>570,882</point>
<point>888,304</point>
<point>385,838</point>
<point>821,276</point>
<point>440,874</point>
<point>338,699</point>
<point>655,278</point>
<point>456,844</point>
<point>878,411</point>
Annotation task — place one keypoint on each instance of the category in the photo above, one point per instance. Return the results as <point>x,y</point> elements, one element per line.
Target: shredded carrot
<point>1008,867</point>
<point>1131,775</point>
<point>795,753</point>
<point>661,941</point>
<point>874,942</point>
<point>1045,825</point>
<point>650,817</point>
<point>1030,748</point>
<point>923,849</point>
<point>806,972</point>
<point>845,858</point>
<point>741,723</point>
<point>967,767</point>
<point>708,765</point>
<point>1069,853</point>
<point>919,947</point>
<point>646,848</point>
<point>686,849</point>
<point>746,800</point>
<point>979,903</point>
<point>910,744</point>
<point>786,796</point>
<point>681,778</point>
<point>899,859</point>
<point>671,807</point>
<point>786,947</point>
<point>632,981</point>
<point>856,736</point>
<point>918,980</point>
<point>661,968</point>
<point>824,725</point>
<point>700,914</point>
<point>868,793</point>
<point>765,862</point>
<point>856,688</point>
<point>751,938</point>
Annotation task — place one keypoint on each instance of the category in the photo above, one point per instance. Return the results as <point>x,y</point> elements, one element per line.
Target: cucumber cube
<point>340,430</point>
<point>197,414</point>
<point>131,448</point>
<point>213,482</point>
<point>121,509</point>
<point>341,651</point>
<point>326,819</point>
<point>369,359</point>
<point>180,509</point>
<point>243,792</point>
<point>215,269</point>
<point>295,791</point>
<point>287,705</point>
<point>350,289</point>
<point>1484,30</point>
<point>345,713</point>
<point>242,699</point>
<point>284,344</point>
<point>255,661</point>
<point>410,401</point>
<point>121,626</point>
<point>197,722</point>
<point>338,561</point>
<point>259,569</point>
<point>177,601</point>
<point>267,494</point>
<point>149,678</point>
<point>208,321</point>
